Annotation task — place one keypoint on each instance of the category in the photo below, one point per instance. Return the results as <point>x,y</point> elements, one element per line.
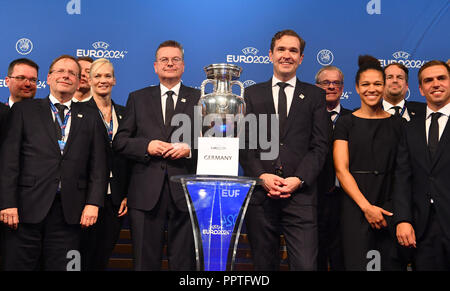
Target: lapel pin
<point>80,115</point>
<point>120,116</point>
<point>413,113</point>
<point>183,100</point>
<point>301,96</point>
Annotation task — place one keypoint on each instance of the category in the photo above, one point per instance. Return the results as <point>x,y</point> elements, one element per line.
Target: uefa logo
<point>325,57</point>
<point>248,83</point>
<point>24,46</point>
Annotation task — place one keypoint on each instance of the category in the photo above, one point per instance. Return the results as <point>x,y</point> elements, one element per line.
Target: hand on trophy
<point>178,150</point>
<point>158,148</point>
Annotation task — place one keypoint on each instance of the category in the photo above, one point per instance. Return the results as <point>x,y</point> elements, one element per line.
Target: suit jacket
<point>327,177</point>
<point>143,122</point>
<point>32,164</point>
<point>415,108</point>
<point>3,118</point>
<point>418,178</point>
<point>304,144</point>
<point>117,163</point>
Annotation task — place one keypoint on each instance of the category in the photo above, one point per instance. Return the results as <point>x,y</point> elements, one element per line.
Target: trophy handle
<point>202,87</point>
<point>240,85</point>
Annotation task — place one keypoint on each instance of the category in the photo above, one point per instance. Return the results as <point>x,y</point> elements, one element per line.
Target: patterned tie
<point>282,106</point>
<point>61,108</point>
<point>433,133</point>
<point>170,108</point>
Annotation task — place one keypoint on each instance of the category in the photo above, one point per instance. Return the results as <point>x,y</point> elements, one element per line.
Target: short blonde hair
<point>99,62</point>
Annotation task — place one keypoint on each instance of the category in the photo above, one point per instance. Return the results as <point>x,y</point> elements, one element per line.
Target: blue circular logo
<point>24,46</point>
<point>325,57</point>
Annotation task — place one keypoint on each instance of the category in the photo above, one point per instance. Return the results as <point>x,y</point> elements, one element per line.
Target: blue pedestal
<point>217,206</point>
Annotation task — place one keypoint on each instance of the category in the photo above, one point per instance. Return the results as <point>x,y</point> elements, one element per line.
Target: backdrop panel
<point>234,31</point>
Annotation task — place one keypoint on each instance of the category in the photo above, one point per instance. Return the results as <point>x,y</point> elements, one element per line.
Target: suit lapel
<point>442,145</point>
<point>180,106</point>
<point>155,104</point>
<point>420,140</point>
<point>47,120</point>
<point>296,102</point>
<point>75,121</point>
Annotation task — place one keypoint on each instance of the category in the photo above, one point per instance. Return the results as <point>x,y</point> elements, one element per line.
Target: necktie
<point>61,109</point>
<point>282,106</point>
<point>433,133</point>
<point>331,114</point>
<point>170,108</point>
<point>397,110</point>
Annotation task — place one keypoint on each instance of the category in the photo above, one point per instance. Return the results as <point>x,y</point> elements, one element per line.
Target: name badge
<point>61,144</point>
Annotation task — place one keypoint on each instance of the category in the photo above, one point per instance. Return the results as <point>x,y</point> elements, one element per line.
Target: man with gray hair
<point>331,79</point>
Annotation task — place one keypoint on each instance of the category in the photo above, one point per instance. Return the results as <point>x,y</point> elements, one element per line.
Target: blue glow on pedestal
<point>217,206</point>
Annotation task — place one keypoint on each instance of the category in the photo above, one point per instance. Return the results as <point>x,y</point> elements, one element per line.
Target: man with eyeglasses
<point>52,175</point>
<point>396,87</point>
<point>22,81</point>
<point>144,136</point>
<point>331,79</point>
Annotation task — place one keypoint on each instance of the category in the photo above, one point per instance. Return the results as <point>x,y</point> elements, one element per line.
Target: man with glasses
<point>395,91</point>
<point>331,79</point>
<point>52,175</point>
<point>22,81</point>
<point>144,136</point>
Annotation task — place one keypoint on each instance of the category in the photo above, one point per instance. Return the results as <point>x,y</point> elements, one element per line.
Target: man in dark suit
<point>52,175</point>
<point>145,137</point>
<point>287,200</point>
<point>422,186</point>
<point>396,87</point>
<point>331,79</point>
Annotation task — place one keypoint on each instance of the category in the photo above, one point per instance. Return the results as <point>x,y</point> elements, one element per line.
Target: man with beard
<point>395,91</point>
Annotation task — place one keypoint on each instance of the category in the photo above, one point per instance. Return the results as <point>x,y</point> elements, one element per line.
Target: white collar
<point>444,110</point>
<point>387,105</point>
<point>175,89</point>
<point>54,100</point>
<point>292,81</point>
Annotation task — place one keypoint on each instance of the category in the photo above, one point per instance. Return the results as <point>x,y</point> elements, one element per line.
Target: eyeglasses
<point>22,79</point>
<point>63,71</point>
<point>328,83</point>
<point>175,60</point>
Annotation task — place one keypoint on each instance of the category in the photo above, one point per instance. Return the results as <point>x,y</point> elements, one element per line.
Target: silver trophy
<point>222,109</point>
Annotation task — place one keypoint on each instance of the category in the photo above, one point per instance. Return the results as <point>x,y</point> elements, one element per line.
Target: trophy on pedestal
<point>217,197</point>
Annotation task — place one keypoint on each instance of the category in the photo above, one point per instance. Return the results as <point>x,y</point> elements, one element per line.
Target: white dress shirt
<point>69,121</point>
<point>442,120</point>
<point>389,108</point>
<point>164,89</point>
<point>289,90</point>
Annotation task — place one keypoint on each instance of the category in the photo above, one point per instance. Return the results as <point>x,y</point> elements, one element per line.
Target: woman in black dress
<point>365,146</point>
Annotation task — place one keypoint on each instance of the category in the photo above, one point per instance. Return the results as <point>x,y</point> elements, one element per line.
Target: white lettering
<point>73,7</point>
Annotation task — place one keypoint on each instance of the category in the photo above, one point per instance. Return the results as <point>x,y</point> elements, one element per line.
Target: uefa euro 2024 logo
<point>24,46</point>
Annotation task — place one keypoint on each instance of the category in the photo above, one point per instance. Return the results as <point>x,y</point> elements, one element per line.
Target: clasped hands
<point>278,187</point>
<point>172,151</point>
